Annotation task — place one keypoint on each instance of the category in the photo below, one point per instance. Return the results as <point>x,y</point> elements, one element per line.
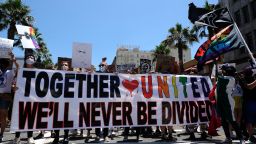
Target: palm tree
<point>160,50</point>
<point>180,38</point>
<point>14,12</point>
<point>43,53</point>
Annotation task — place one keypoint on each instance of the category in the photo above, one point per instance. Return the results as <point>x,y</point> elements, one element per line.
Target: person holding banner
<point>191,129</point>
<point>102,133</point>
<point>127,129</point>
<point>29,63</point>
<point>66,67</point>
<point>6,80</point>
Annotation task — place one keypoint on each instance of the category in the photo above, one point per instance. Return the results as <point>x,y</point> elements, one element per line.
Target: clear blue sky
<point>106,24</point>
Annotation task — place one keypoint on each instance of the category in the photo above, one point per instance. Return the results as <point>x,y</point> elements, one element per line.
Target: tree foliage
<point>14,12</point>
<point>180,38</point>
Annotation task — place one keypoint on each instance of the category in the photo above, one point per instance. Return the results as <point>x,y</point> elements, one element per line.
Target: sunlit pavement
<point>8,138</point>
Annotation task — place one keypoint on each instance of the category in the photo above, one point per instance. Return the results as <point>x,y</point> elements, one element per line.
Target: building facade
<point>186,54</point>
<point>129,58</point>
<point>244,14</point>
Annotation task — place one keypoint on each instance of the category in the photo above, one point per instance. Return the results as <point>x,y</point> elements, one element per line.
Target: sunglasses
<point>64,65</point>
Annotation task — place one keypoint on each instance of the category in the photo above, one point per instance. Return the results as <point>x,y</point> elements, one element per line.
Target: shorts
<point>250,112</point>
<point>238,102</point>
<point>4,104</point>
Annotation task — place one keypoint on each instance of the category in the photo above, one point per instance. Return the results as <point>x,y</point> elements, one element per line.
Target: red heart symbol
<point>130,85</point>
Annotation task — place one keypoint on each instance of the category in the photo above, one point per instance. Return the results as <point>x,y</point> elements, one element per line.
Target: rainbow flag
<point>224,41</point>
<point>33,37</point>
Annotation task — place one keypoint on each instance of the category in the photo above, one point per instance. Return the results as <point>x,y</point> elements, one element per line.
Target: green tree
<point>14,12</point>
<point>43,53</point>
<point>160,50</point>
<point>180,38</point>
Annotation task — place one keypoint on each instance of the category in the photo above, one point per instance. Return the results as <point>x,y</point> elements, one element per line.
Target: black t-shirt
<point>249,94</point>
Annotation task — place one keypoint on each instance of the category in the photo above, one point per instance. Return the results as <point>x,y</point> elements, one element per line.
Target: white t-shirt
<point>213,75</point>
<point>237,91</point>
<point>6,80</point>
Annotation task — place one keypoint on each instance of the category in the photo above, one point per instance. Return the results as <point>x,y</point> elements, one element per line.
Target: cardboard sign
<point>51,100</point>
<point>28,37</point>
<point>5,47</point>
<point>82,55</point>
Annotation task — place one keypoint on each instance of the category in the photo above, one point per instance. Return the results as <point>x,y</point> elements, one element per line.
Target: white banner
<point>5,47</point>
<point>47,100</point>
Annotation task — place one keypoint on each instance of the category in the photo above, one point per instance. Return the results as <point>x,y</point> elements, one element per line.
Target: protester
<point>103,65</point>
<point>127,129</point>
<point>191,129</point>
<point>215,121</point>
<point>6,80</point>
<point>238,97</point>
<point>249,85</point>
<point>65,67</point>
<point>102,133</point>
<point>29,63</point>
<point>225,102</point>
<point>237,94</point>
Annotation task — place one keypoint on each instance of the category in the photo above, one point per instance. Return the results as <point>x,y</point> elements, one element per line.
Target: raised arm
<point>251,85</point>
<point>13,59</point>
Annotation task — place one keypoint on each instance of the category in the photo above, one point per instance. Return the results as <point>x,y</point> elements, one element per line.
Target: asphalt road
<point>8,138</point>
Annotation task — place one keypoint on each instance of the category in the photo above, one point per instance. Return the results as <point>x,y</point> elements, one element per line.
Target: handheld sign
<point>28,37</point>
<point>82,55</point>
<point>5,47</point>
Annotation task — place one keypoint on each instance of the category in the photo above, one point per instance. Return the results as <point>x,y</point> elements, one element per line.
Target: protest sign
<point>82,55</point>
<point>5,47</point>
<point>28,37</point>
<point>48,100</point>
<point>145,66</point>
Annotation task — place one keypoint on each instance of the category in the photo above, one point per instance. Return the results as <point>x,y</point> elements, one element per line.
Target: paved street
<point>119,139</point>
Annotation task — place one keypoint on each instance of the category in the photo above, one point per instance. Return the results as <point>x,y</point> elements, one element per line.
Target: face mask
<point>30,61</point>
<point>1,72</point>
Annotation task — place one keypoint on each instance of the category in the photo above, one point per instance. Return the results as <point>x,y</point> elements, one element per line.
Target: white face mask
<point>1,72</point>
<point>30,61</point>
